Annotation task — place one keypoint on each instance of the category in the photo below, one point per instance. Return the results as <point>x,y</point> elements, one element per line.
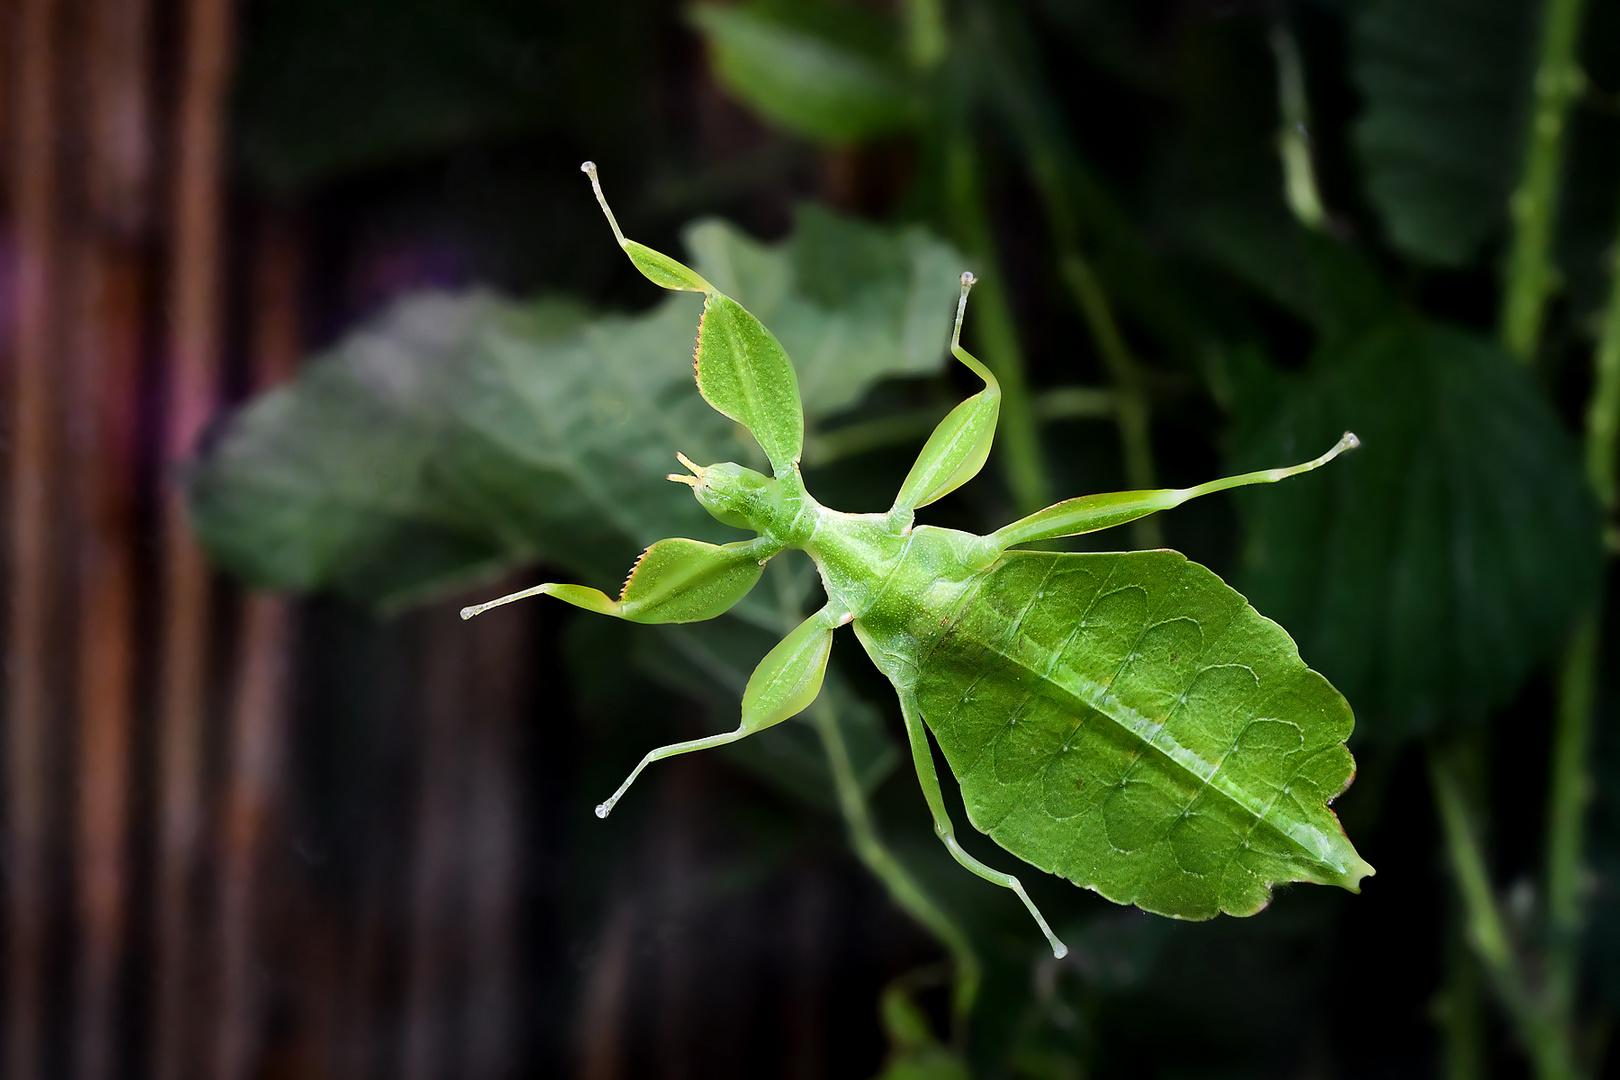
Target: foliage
<point>458,434</point>
<point>1466,477</point>
<point>827,70</point>
<point>1114,170</point>
<point>1441,132</point>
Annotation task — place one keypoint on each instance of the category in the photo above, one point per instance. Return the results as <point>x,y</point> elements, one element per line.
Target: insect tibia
<point>1347,441</point>
<point>589,169</point>
<point>961,307</point>
<point>479,609</point>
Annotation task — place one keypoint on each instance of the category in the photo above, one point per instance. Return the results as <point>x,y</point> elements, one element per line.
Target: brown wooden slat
<point>107,335</point>
<point>106,331</point>
<point>491,663</point>
<point>32,554</point>
<point>256,723</point>
<point>196,200</point>
<point>603,1019</point>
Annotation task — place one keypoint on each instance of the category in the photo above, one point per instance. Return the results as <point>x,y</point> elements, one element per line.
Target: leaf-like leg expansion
<point>783,685</point>
<point>1090,513</point>
<point>957,449</point>
<point>742,370</point>
<point>674,581</point>
<point>581,596</point>
<point>655,266</point>
<point>922,755</point>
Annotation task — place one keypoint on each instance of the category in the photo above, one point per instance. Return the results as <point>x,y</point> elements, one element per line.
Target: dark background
<point>256,835</point>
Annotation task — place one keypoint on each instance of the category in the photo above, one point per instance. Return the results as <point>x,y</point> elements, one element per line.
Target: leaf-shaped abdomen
<point>1128,721</point>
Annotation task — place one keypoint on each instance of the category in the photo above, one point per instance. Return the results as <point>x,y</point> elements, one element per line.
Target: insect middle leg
<point>922,756</point>
<point>672,750</point>
<point>783,685</point>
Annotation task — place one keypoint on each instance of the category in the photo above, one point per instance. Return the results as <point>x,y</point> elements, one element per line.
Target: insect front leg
<point>674,581</point>
<point>957,449</point>
<point>783,685</point>
<point>922,756</point>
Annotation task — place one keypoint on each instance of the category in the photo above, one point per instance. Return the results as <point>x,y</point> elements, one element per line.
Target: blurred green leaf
<point>1314,277</point>
<point>915,1052</point>
<point>1445,83</point>
<point>848,301</point>
<point>1429,572</point>
<point>831,72</point>
<point>458,434</point>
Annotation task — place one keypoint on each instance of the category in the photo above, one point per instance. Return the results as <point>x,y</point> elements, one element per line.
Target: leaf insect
<point>1125,720</point>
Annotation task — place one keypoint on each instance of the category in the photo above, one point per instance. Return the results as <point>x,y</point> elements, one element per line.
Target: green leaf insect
<point>1122,719</point>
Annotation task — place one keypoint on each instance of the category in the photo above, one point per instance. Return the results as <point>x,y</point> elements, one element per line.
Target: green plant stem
<point>1076,403</point>
<point>863,436</point>
<point>902,886</point>
<point>992,324</point>
<point>1570,785</point>
<point>926,41</point>
<point>1131,408</point>
<point>1462,1014</point>
<point>1061,182</point>
<point>1603,412</point>
<point>1534,205</point>
<point>1567,798</point>
<point>1293,141</point>
<point>1544,1038</point>
<point>1487,931</point>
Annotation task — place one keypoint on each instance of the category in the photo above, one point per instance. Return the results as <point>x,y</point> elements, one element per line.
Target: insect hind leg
<point>922,757</point>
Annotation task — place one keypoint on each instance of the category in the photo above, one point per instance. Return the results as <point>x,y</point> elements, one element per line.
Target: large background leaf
<point>1445,83</point>
<point>461,433</point>
<point>1429,572</point>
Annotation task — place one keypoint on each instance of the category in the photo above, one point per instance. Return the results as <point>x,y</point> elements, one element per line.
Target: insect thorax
<point>902,590</point>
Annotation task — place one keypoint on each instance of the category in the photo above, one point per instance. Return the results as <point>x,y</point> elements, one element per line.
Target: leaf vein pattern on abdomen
<point>1180,763</point>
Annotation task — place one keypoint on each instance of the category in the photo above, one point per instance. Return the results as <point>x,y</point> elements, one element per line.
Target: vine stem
<point>1544,1020</point>
<point>993,326</point>
<point>1570,785</point>
<point>903,887</point>
<point>925,36</point>
<point>1461,1011</point>
<point>1131,403</point>
<point>1544,1036</point>
<point>1534,205</point>
<point>1054,168</point>
<point>905,890</point>
<point>1569,792</point>
<point>1603,412</point>
<point>1293,141</point>
<point>863,436</point>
